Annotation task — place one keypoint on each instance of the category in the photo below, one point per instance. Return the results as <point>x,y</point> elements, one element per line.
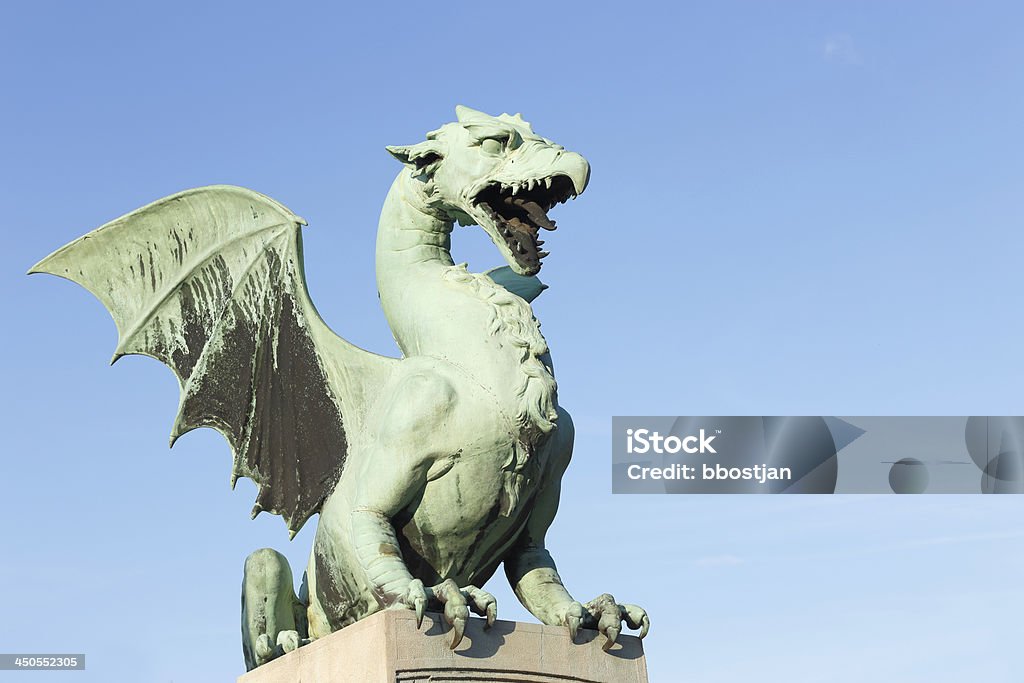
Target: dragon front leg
<point>376,546</point>
<point>400,470</point>
<point>536,583</point>
<point>532,574</point>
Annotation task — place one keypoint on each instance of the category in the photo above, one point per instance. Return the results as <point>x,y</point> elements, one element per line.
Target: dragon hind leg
<point>273,617</point>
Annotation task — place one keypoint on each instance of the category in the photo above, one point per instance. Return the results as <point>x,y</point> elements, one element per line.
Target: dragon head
<point>495,172</point>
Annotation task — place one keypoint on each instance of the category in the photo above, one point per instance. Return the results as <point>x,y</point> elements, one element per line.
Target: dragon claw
<point>420,606</point>
<point>611,633</point>
<point>456,603</point>
<point>574,627</point>
<point>458,629</point>
<point>482,603</point>
<point>264,649</point>
<point>636,617</point>
<point>607,616</point>
<point>492,614</point>
<point>288,641</point>
<point>573,619</point>
<point>645,627</point>
<point>416,598</point>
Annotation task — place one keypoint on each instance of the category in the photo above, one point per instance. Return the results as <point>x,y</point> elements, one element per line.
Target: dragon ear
<point>464,114</point>
<point>421,158</point>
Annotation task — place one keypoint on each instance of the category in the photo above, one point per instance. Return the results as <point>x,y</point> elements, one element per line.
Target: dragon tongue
<point>534,210</point>
<point>538,215</point>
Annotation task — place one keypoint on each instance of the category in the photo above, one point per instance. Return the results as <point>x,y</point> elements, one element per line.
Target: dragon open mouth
<point>519,210</point>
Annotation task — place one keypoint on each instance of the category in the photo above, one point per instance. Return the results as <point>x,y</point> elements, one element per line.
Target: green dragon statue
<point>428,471</point>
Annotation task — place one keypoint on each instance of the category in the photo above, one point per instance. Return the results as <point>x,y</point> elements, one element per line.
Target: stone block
<point>388,648</point>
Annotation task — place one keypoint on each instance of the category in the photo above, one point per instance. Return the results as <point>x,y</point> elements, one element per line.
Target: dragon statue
<point>428,471</point>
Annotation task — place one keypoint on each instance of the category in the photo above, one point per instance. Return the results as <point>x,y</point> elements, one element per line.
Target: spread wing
<point>210,282</point>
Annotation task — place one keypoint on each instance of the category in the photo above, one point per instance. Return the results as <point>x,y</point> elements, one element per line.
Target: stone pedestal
<point>387,648</point>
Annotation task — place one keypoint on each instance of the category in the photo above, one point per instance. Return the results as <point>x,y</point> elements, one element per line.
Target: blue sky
<point>795,208</point>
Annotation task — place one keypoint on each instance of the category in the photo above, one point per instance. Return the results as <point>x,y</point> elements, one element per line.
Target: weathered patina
<point>428,471</point>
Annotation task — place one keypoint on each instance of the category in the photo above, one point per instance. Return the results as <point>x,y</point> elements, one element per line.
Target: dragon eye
<point>492,146</point>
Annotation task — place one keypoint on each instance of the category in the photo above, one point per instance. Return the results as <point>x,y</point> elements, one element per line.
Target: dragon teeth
<point>547,183</point>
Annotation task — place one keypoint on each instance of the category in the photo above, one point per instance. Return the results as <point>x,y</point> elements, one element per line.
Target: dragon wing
<point>210,282</point>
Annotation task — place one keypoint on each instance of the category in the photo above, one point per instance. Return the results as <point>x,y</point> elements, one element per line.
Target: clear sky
<point>795,208</point>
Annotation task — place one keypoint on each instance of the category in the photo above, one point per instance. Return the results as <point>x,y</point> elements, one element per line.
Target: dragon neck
<point>410,233</point>
<point>413,248</point>
<point>436,308</point>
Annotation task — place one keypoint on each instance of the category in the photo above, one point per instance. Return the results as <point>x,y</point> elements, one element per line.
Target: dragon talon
<point>458,630</point>
<point>492,615</point>
<point>573,619</point>
<point>635,617</point>
<point>611,633</point>
<point>420,606</point>
<point>289,641</point>
<point>264,649</point>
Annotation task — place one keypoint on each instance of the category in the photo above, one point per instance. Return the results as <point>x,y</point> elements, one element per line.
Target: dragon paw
<point>287,641</point>
<point>605,615</point>
<point>455,602</point>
